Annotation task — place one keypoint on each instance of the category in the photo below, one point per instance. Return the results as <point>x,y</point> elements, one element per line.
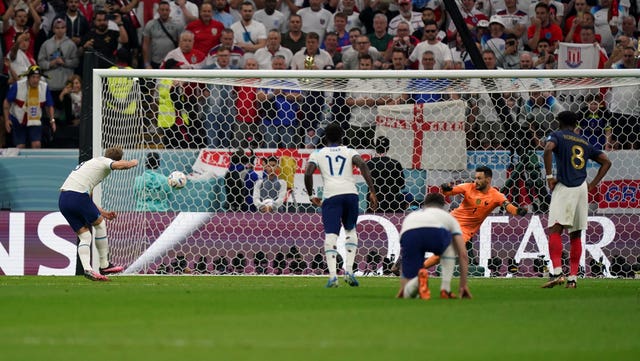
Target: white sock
<point>411,288</point>
<point>447,264</point>
<point>331,253</point>
<point>351,246</point>
<point>102,244</point>
<point>84,250</point>
<point>557,271</point>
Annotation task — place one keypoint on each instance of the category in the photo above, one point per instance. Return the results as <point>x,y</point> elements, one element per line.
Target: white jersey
<point>87,175</point>
<point>336,168</point>
<point>430,217</point>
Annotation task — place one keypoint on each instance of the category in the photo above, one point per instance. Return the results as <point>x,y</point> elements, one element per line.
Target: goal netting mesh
<point>222,127</point>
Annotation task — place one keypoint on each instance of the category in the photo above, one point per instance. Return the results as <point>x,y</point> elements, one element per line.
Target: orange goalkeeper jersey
<point>475,207</point>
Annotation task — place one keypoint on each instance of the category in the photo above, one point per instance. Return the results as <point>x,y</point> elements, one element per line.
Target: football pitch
<point>296,318</point>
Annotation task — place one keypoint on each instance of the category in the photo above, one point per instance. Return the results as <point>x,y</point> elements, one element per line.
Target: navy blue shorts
<point>416,242</point>
<point>20,134</point>
<point>340,210</point>
<point>78,209</point>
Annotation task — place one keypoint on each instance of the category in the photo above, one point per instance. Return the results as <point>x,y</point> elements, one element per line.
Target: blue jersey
<point>572,152</point>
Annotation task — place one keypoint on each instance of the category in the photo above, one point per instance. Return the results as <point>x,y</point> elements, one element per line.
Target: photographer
<point>129,20</point>
<point>546,59</point>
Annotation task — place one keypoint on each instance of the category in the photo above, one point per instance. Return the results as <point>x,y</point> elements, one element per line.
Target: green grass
<point>295,318</point>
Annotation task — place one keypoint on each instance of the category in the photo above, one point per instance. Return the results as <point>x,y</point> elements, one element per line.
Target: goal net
<point>223,128</point>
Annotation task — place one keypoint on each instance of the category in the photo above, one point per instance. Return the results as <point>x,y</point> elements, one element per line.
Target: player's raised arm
<point>366,174</point>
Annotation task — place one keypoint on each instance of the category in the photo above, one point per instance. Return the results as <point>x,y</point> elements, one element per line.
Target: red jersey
<point>206,36</point>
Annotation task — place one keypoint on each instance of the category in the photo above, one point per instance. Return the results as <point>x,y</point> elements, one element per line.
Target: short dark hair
<point>567,119</point>
<point>113,153</point>
<point>333,133</point>
<point>434,199</point>
<point>486,170</point>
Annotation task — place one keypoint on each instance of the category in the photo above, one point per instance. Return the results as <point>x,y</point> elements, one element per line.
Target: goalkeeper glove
<point>446,187</point>
<point>521,211</point>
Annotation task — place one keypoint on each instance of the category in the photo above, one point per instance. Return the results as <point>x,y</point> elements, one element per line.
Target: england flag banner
<point>577,56</point>
<point>435,130</point>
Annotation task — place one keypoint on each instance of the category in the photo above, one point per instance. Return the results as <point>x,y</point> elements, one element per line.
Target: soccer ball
<point>177,179</point>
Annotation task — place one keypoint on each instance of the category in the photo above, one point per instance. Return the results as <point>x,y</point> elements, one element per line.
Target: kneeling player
<point>431,229</point>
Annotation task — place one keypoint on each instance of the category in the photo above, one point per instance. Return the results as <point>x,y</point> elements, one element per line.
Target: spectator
<point>86,9</point>
<point>330,45</point>
<point>399,60</point>
<point>515,20</point>
<point>630,30</point>
<point>183,12</point>
<point>315,18</point>
<point>249,34</point>
<point>340,23</point>
<point>186,56</point>
<point>541,110</point>
<point>388,179</point>
<point>543,28</point>
<point>624,104</point>
<point>363,104</point>
<point>578,22</point>
<point>526,61</point>
<point>220,110</point>
<point>247,126</point>
<point>15,21</point>
<point>311,57</point>
<point>226,40</point>
<point>588,36</point>
<point>294,39</point>
<point>220,13</point>
<point>617,56</point>
<point>23,117</point>
<point>269,192</point>
<point>18,60</point>
<point>151,189</point>
<point>280,108</point>
<point>380,38</point>
<point>239,181</point>
<point>351,57</point>
<point>494,40</point>
<point>428,15</point>
<point>594,123</point>
<point>403,40</point>
<point>271,18</point>
<point>472,18</point>
<point>606,25</point>
<point>174,111</point>
<point>58,58</point>
<point>273,48</point>
<point>370,9</point>
<point>510,58</point>
<point>352,17</point>
<point>160,36</point>
<point>556,10</point>
<point>440,50</point>
<point>78,24</point>
<point>206,30</point>
<point>71,99</point>
<point>101,39</point>
<point>406,14</point>
<point>545,58</point>
<point>121,105</point>
<point>426,85</point>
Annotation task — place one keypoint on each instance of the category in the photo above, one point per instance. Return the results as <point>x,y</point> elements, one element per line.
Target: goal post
<point>220,126</point>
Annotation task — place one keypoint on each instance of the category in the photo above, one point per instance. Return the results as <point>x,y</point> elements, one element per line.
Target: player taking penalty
<point>480,199</point>
<point>431,229</point>
<point>78,209</point>
<point>569,200</point>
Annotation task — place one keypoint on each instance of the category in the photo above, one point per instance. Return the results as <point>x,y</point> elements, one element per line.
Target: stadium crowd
<point>318,34</point>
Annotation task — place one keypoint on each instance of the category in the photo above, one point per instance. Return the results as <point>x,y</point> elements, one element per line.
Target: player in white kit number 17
<point>340,198</point>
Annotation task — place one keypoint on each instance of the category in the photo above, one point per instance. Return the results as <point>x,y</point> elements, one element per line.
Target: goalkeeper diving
<point>480,199</point>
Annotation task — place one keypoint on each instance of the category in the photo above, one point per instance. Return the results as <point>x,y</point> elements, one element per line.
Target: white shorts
<point>569,207</point>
